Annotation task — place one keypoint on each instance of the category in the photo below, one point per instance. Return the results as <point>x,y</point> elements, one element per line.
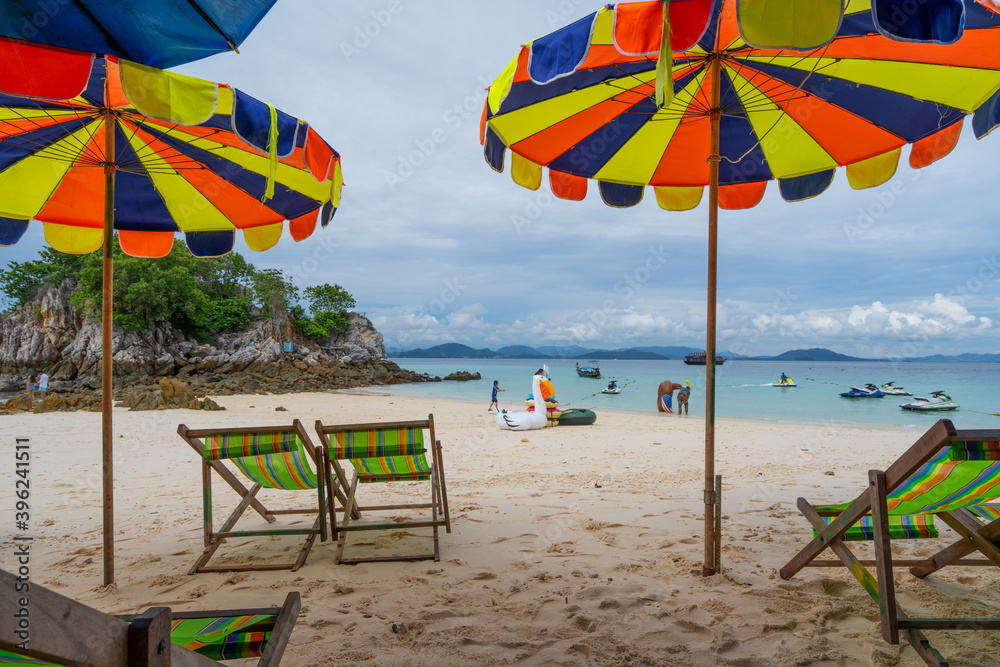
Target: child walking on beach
<point>496,388</point>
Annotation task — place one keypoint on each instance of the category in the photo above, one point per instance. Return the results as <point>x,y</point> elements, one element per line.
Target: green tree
<point>328,305</point>
<point>273,292</point>
<point>150,292</point>
<point>328,298</point>
<point>20,279</point>
<point>198,296</point>
<point>230,314</point>
<point>229,276</point>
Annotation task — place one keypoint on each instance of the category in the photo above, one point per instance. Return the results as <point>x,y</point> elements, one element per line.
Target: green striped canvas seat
<point>391,454</point>
<point>396,451</point>
<point>273,460</point>
<point>224,638</point>
<point>901,526</point>
<point>987,512</point>
<point>218,638</point>
<point>279,458</point>
<point>8,658</point>
<point>962,475</point>
<point>975,450</point>
<point>944,483</point>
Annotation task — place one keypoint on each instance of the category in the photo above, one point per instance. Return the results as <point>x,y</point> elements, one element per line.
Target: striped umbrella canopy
<point>733,94</point>
<point>159,33</point>
<point>189,156</point>
<point>92,144</point>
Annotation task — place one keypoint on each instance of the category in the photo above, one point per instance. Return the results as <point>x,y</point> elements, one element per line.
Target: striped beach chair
<point>947,475</point>
<point>378,453</point>
<point>270,457</point>
<point>66,632</point>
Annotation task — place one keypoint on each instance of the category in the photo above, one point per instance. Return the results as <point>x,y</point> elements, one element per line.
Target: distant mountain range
<point>459,351</point>
<point>814,354</point>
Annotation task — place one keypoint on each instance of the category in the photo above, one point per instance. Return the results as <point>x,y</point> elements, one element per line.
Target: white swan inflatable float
<point>525,421</point>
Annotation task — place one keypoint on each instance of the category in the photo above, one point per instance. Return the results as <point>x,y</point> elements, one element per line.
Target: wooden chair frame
<point>248,499</point>
<point>336,478</point>
<point>881,587</point>
<point>70,633</point>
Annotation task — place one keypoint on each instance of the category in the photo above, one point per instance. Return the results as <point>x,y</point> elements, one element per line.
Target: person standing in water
<point>683,396</point>
<point>493,404</point>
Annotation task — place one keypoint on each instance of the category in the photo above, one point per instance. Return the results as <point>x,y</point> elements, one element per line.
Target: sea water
<point>743,388</point>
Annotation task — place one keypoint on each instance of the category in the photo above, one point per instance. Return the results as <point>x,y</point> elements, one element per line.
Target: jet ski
<point>938,401</point>
<point>787,382</point>
<point>869,391</point>
<point>891,389</point>
<point>612,388</point>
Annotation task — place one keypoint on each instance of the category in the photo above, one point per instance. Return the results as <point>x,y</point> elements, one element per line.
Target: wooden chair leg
<point>828,535</point>
<point>957,550</point>
<point>282,630</point>
<point>435,498</point>
<point>320,481</point>
<point>348,509</point>
<point>310,540</point>
<point>333,491</point>
<point>883,557</point>
<point>342,476</point>
<point>238,487</point>
<point>914,636</point>
<point>216,542</point>
<point>964,522</point>
<point>443,488</point>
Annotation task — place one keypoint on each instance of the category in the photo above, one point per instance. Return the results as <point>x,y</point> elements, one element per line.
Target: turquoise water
<point>743,388</point>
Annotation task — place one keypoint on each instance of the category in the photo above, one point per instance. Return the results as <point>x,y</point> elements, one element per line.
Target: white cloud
<point>939,321</point>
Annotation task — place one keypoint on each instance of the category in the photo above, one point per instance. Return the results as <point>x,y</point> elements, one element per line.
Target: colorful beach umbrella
<point>733,94</point>
<point>158,33</point>
<point>92,144</point>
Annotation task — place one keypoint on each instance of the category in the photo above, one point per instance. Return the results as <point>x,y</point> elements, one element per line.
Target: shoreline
<point>570,545</point>
<point>384,391</point>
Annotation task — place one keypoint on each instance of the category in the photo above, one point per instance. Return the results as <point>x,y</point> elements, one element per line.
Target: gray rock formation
<point>463,376</point>
<point>49,334</point>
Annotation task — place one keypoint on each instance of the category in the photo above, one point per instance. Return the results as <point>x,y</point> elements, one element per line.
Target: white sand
<point>573,545</point>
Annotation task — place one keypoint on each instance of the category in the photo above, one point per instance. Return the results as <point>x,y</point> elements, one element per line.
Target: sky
<point>436,247</point>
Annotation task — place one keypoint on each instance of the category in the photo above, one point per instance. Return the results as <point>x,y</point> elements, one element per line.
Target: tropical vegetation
<point>201,297</point>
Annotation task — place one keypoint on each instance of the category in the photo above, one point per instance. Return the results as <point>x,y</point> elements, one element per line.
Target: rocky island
<point>159,366</point>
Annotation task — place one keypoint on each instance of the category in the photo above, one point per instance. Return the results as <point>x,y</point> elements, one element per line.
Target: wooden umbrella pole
<point>107,440</point>
<point>711,539</point>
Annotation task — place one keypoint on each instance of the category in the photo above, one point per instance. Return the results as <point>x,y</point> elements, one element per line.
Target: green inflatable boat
<point>577,417</point>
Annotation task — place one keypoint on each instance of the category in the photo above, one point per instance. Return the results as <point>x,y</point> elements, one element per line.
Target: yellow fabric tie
<point>664,63</point>
<point>272,152</point>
